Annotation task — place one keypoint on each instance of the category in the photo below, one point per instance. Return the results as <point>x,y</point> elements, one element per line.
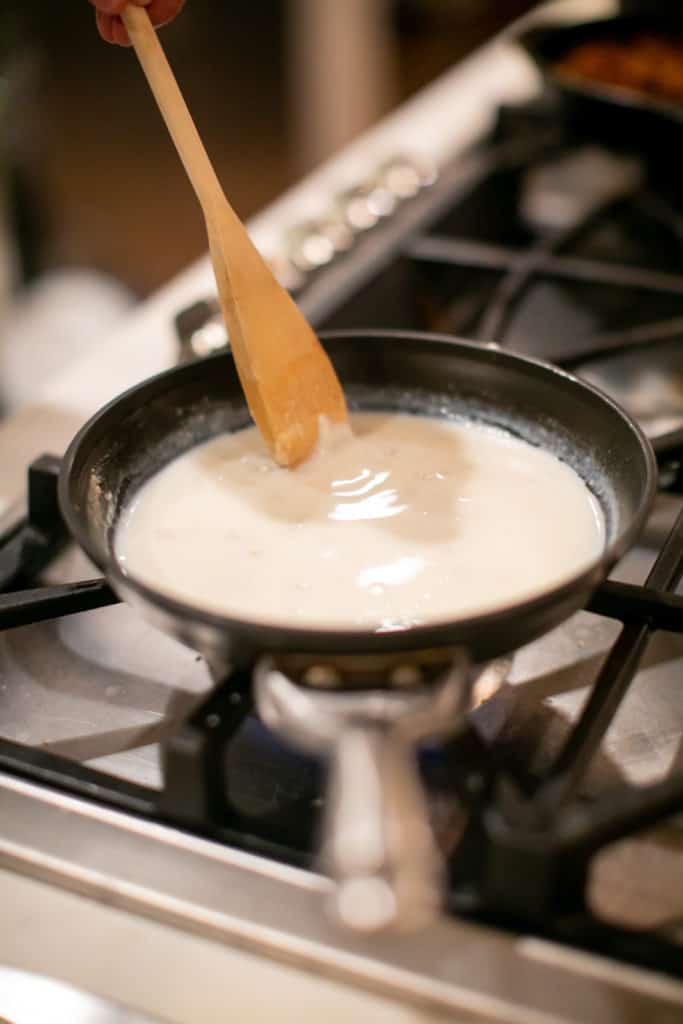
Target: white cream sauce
<point>410,520</point>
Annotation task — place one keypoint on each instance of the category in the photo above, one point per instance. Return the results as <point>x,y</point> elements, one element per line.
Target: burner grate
<point>546,841</point>
<point>28,546</point>
<point>29,543</point>
<point>560,249</point>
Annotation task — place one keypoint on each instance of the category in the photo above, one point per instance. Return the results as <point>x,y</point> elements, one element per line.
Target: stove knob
<point>315,243</point>
<point>363,207</point>
<point>210,338</point>
<point>200,327</point>
<point>200,330</point>
<point>405,176</point>
<point>286,272</point>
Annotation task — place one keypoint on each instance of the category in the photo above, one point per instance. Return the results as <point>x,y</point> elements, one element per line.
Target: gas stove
<point>131,776</point>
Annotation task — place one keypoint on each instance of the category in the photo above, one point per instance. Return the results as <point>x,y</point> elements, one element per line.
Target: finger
<point>112,29</point>
<point>161,11</point>
<point>109,23</point>
<point>109,6</point>
<point>105,26</point>
<point>120,33</point>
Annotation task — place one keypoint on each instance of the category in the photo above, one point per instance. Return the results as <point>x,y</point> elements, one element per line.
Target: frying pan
<point>597,107</point>
<point>366,697</point>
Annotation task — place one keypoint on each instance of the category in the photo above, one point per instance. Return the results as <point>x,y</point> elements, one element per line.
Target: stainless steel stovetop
<point>430,240</point>
<point>68,688</point>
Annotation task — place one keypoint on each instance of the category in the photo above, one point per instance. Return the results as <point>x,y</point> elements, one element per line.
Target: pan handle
<point>378,843</point>
<point>377,840</point>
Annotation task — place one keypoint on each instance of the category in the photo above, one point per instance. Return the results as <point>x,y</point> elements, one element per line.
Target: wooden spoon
<point>287,378</point>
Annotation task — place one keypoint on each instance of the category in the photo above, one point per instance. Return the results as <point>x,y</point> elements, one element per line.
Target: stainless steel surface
<point>377,838</point>
<point>29,999</point>
<point>245,901</point>
<point>170,973</point>
<point>11,517</point>
<point>650,390</point>
<point>101,687</point>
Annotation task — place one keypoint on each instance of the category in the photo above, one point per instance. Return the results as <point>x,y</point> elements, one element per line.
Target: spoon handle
<point>287,378</point>
<point>172,106</point>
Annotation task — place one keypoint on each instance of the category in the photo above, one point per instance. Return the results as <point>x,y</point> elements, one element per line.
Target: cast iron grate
<point>600,285</point>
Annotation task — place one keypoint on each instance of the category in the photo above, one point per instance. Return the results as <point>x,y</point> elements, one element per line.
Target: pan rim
<point>281,637</point>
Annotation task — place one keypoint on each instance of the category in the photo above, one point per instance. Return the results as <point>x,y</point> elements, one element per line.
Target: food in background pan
<point>649,63</point>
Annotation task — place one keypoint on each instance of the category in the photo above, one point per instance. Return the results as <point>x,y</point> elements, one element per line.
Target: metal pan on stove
<point>632,114</point>
<point>366,698</point>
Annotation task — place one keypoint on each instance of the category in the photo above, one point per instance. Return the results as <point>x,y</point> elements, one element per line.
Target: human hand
<point>112,28</point>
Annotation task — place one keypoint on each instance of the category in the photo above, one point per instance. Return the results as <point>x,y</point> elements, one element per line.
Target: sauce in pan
<point>411,520</point>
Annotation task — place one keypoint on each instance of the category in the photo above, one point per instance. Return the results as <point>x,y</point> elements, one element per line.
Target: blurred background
<point>275,86</point>
<point>95,210</point>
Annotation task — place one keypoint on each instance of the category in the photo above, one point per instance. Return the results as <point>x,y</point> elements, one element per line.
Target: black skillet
<point>366,712</point>
<point>136,434</point>
<point>634,118</point>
